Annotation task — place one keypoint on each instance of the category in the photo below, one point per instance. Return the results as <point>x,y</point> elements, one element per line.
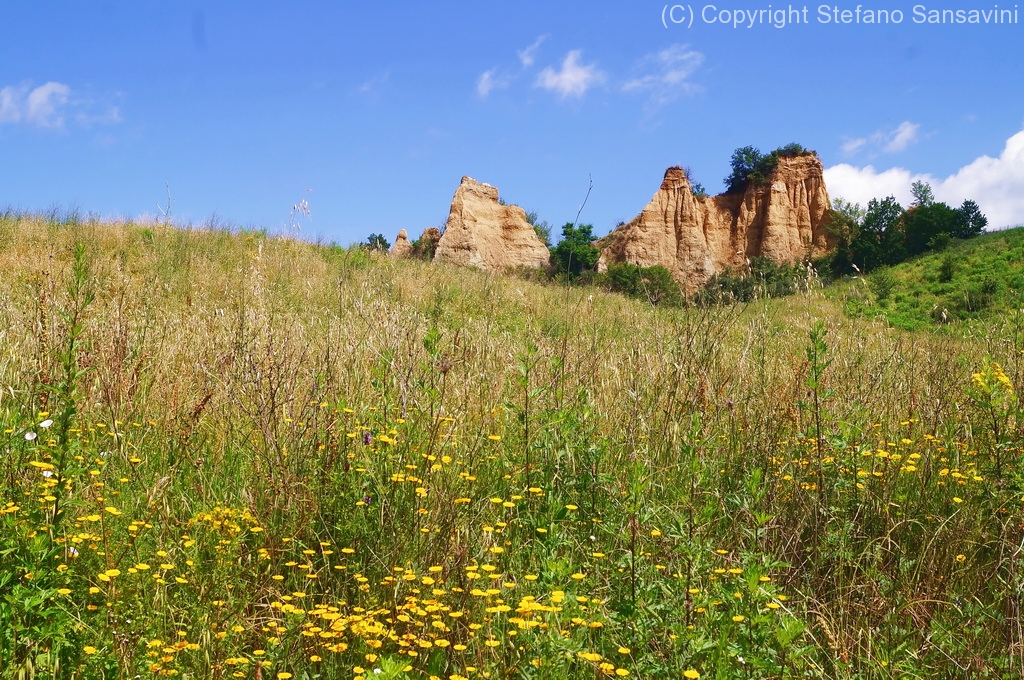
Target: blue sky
<point>372,112</point>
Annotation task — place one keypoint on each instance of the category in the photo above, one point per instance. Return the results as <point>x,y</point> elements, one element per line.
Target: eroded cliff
<point>783,219</point>
<point>482,232</point>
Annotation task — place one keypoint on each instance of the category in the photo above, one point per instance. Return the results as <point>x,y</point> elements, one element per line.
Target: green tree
<point>851,213</point>
<point>970,221</point>
<point>879,240</point>
<point>745,161</point>
<point>844,222</point>
<point>540,226</point>
<point>792,149</point>
<point>885,234</point>
<point>922,193</point>
<point>424,247</point>
<point>576,251</point>
<point>750,165</point>
<point>696,187</point>
<point>378,242</point>
<point>923,223</point>
<point>929,225</point>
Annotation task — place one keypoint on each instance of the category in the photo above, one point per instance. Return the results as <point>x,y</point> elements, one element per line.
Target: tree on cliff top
<point>745,161</point>
<point>750,165</point>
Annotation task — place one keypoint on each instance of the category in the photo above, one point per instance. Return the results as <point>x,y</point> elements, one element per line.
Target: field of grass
<point>967,281</point>
<point>229,455</point>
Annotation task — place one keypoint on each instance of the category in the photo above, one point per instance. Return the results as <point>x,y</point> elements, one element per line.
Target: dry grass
<point>241,372</point>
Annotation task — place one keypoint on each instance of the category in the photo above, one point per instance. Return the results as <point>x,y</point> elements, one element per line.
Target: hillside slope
<point>228,451</point>
<point>974,280</point>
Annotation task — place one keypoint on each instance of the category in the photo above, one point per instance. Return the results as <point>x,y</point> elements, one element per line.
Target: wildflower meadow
<point>235,455</point>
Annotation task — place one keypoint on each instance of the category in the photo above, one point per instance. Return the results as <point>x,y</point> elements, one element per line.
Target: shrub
<point>576,251</point>
<point>940,242</point>
<point>654,284</point>
<point>763,279</point>
<point>424,248</point>
<point>947,269</point>
<point>882,283</point>
<point>979,296</point>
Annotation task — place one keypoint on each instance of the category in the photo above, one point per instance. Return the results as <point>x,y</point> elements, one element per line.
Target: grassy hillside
<point>978,279</point>
<point>228,455</point>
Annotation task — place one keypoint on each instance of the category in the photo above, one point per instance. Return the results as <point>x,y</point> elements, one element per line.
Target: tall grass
<point>234,455</point>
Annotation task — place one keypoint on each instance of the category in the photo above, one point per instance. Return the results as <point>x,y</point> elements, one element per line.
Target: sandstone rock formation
<point>427,245</point>
<point>695,238</point>
<point>481,232</point>
<point>402,247</point>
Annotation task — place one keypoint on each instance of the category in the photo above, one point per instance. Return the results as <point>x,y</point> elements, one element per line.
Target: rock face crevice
<point>482,232</point>
<point>697,237</point>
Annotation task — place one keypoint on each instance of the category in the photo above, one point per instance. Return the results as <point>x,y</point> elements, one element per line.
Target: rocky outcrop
<point>695,238</point>
<point>483,233</point>
<point>402,247</point>
<point>422,248</point>
<point>427,245</point>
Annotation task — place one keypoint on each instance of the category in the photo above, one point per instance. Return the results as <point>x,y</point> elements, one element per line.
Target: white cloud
<point>674,65</point>
<point>574,78</point>
<point>111,116</point>
<point>528,56</point>
<point>903,136</point>
<point>490,81</point>
<point>996,184</point>
<point>860,185</point>
<point>852,146</point>
<point>48,105</point>
<point>892,141</point>
<point>43,105</point>
<point>375,84</point>
<point>11,103</point>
